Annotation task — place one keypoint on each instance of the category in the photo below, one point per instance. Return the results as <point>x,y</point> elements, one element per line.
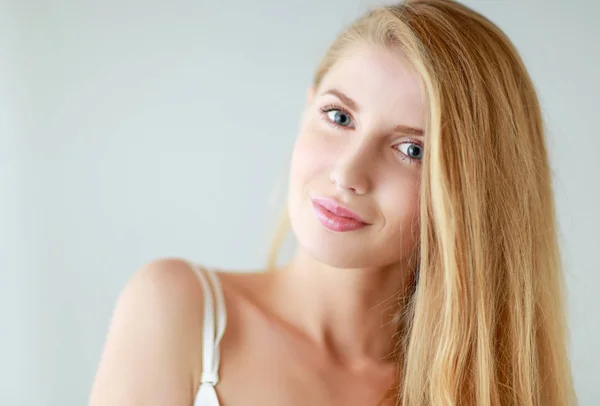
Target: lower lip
<point>335,222</point>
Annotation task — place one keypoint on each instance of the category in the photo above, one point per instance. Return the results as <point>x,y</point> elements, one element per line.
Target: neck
<point>349,313</point>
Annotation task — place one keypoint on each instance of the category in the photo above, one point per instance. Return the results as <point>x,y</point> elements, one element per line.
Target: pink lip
<point>336,217</point>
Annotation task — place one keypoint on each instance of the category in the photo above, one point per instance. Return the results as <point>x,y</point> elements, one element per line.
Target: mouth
<point>336,217</point>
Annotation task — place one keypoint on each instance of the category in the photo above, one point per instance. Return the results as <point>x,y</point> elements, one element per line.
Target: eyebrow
<point>347,100</point>
<point>354,106</point>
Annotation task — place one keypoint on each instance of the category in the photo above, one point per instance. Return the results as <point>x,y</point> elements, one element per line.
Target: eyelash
<point>326,109</point>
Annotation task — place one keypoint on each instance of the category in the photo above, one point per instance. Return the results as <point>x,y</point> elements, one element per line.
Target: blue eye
<point>339,117</point>
<point>411,150</point>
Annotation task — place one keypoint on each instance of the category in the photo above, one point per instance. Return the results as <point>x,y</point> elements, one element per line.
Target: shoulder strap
<point>213,331</point>
<point>214,323</point>
<point>221,324</point>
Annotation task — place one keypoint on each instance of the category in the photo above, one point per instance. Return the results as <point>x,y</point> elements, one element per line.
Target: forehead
<point>381,81</point>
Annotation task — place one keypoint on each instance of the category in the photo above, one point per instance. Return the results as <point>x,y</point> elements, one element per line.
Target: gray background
<point>132,130</point>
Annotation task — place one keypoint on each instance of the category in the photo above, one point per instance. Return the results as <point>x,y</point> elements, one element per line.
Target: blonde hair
<point>486,324</point>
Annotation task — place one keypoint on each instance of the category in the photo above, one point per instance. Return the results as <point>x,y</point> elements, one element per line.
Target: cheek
<point>399,203</point>
<point>310,158</point>
<point>302,169</point>
<point>300,163</point>
<point>308,170</point>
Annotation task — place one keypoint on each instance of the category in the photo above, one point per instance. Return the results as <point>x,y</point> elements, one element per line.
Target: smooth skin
<point>319,331</point>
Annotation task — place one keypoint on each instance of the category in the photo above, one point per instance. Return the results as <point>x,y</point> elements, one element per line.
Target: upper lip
<point>336,208</point>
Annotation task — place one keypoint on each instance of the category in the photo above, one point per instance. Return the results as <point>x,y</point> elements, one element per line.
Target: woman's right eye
<point>338,116</point>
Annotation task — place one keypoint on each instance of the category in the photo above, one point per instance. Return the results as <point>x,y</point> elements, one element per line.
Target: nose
<point>351,171</point>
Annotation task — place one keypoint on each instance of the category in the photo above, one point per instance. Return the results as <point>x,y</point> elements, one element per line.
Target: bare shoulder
<point>166,291</point>
<point>153,348</point>
<point>171,284</point>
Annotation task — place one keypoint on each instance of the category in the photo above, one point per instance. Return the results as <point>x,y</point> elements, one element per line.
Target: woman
<point>427,271</point>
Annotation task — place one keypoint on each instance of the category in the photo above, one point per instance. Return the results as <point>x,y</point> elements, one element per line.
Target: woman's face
<point>356,165</point>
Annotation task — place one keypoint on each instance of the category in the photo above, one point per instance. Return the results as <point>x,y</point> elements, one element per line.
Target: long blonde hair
<point>486,324</point>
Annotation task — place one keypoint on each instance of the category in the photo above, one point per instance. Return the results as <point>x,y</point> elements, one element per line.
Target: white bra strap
<point>210,340</point>
<point>221,320</point>
<point>208,329</point>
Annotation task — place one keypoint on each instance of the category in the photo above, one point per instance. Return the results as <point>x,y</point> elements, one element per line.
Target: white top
<point>215,320</point>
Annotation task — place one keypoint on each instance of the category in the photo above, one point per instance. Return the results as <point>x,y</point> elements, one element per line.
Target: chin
<point>338,250</point>
<point>339,257</point>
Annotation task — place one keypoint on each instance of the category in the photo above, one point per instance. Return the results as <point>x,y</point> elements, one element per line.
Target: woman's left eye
<point>411,150</point>
<point>339,117</point>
